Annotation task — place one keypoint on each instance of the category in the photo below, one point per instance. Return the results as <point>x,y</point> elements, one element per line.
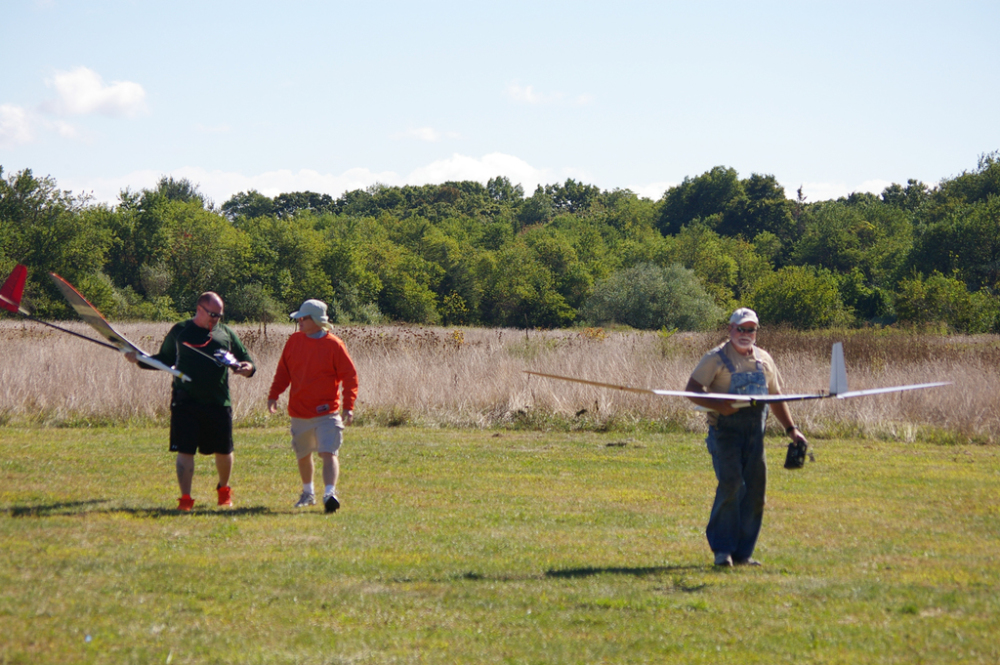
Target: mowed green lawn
<point>492,547</point>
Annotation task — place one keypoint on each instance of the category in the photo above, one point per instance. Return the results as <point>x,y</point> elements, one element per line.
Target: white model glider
<point>838,387</point>
<point>93,318</point>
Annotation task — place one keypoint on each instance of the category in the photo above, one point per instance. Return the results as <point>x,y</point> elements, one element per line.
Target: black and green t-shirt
<point>209,382</point>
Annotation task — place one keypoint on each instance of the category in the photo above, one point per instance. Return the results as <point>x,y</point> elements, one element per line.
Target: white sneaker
<point>723,559</point>
<point>307,499</point>
<point>331,503</point>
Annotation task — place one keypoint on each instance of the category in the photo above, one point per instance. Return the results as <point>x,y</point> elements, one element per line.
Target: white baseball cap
<point>742,315</point>
<point>316,309</point>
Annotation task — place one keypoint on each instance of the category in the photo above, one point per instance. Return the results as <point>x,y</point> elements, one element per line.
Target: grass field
<point>479,546</point>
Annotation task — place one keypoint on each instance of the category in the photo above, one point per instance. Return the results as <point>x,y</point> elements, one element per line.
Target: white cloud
<point>221,185</point>
<point>82,92</point>
<point>65,130</point>
<point>653,190</point>
<point>480,169</point>
<point>15,126</point>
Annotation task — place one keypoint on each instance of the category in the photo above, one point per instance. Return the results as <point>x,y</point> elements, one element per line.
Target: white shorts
<point>322,434</point>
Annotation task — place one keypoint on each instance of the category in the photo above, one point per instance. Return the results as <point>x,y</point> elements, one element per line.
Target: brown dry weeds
<point>475,378</point>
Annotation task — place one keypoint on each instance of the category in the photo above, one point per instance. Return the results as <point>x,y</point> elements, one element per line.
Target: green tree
<point>802,297</point>
<point>519,292</point>
<point>965,242</point>
<point>946,299</point>
<point>700,197</point>
<point>293,203</point>
<point>206,253</point>
<point>762,208</point>
<point>651,297</point>
<point>50,230</point>
<point>910,198</point>
<point>248,204</point>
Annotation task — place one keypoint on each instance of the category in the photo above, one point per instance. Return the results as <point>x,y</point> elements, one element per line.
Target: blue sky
<point>333,96</point>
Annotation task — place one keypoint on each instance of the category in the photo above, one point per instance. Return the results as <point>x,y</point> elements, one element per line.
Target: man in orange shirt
<point>316,364</point>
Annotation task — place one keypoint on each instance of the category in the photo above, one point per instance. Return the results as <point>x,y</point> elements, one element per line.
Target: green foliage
<point>248,204</point>
<point>700,197</point>
<point>802,297</point>
<point>131,306</point>
<point>253,302</point>
<point>519,291</point>
<point>650,297</point>
<point>205,252</point>
<point>468,254</point>
<point>965,242</point>
<point>939,298</point>
<point>841,236</point>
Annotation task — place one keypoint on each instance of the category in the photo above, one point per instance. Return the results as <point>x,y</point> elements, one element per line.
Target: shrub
<point>947,300</point>
<point>650,297</point>
<point>802,297</point>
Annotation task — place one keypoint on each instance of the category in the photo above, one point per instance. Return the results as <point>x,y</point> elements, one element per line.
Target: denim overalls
<point>736,443</point>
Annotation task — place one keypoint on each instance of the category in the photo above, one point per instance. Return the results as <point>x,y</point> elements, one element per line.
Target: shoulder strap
<point>725,359</point>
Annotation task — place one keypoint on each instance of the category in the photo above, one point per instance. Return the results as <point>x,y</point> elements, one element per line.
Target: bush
<point>650,297</point>
<point>252,302</point>
<point>947,300</point>
<point>802,297</point>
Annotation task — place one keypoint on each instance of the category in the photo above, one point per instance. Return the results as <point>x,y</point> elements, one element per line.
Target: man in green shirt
<point>201,414</point>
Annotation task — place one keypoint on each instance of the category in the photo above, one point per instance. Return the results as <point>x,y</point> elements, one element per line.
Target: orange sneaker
<point>225,495</point>
<point>185,504</point>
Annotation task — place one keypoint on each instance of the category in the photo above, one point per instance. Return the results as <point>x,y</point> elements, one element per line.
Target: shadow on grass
<point>634,572</point>
<point>87,507</point>
<point>577,573</point>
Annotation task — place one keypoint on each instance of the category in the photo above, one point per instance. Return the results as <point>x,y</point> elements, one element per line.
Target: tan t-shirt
<point>712,373</point>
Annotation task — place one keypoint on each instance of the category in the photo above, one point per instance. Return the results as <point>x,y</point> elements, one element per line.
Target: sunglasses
<point>748,331</point>
<point>214,315</point>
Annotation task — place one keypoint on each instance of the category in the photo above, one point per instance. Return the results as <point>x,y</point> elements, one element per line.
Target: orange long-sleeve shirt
<point>315,368</point>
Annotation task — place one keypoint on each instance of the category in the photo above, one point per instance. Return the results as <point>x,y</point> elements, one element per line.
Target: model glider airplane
<point>10,299</point>
<point>838,387</point>
<point>221,357</point>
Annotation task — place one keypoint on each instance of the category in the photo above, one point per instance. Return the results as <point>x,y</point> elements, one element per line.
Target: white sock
<point>330,489</point>
<point>308,487</point>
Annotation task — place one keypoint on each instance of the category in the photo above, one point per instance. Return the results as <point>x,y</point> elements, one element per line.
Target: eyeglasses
<point>214,315</point>
<point>748,331</point>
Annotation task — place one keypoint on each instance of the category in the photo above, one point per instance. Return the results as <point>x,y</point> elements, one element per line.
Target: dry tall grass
<point>474,377</point>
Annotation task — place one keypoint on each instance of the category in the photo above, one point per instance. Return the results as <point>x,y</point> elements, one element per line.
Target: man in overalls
<point>736,437</point>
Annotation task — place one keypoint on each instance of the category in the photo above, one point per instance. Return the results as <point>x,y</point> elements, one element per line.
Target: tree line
<point>461,253</point>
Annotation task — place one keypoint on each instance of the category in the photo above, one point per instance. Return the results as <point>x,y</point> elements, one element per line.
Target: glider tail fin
<point>13,289</point>
<point>838,370</point>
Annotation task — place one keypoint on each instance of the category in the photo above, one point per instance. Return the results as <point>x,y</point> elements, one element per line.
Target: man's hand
<point>272,405</point>
<point>348,417</point>
<point>131,357</point>
<point>244,369</point>
<point>722,408</point>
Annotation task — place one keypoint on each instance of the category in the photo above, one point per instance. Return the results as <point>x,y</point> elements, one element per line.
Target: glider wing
<point>738,401</point>
<point>838,387</point>
<point>95,320</point>
<point>10,300</point>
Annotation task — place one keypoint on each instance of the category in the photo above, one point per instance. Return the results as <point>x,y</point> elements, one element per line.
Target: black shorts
<point>203,428</point>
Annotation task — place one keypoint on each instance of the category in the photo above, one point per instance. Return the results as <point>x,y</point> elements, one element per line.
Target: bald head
<point>209,310</point>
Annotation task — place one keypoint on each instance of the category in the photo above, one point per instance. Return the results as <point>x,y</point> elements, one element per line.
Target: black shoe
<point>331,503</point>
